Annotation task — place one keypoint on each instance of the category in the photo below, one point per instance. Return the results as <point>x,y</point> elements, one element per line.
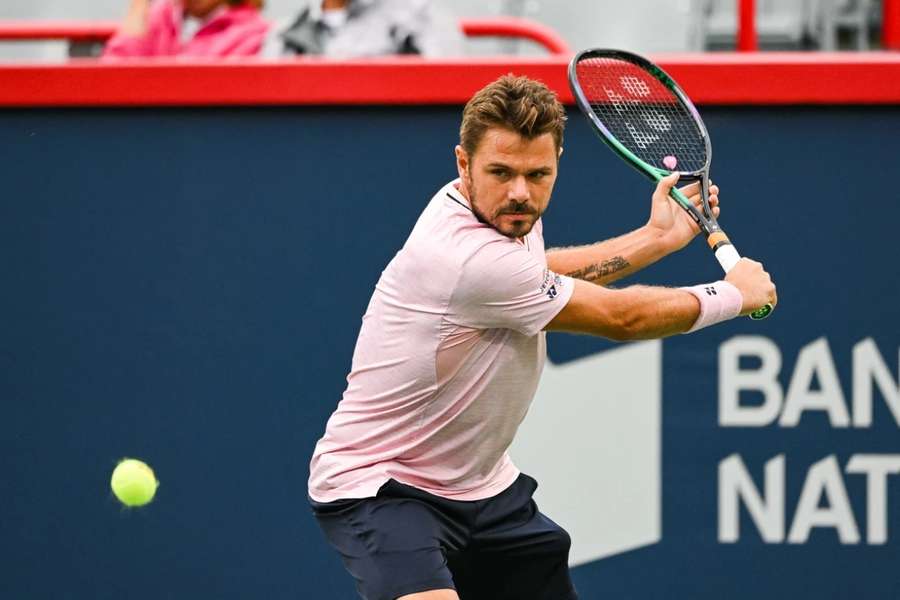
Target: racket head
<point>641,113</point>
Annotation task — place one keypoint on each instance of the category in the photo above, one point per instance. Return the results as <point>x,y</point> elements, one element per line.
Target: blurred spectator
<point>347,28</point>
<point>190,28</point>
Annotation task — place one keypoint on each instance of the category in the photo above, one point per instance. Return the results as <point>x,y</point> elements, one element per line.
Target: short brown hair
<point>520,104</point>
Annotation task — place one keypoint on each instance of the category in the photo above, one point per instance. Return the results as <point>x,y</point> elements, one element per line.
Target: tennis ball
<point>133,482</point>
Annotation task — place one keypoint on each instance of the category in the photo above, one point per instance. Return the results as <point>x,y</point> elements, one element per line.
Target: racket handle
<point>728,256</point>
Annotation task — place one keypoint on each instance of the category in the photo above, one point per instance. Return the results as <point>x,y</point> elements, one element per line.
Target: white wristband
<point>719,301</point>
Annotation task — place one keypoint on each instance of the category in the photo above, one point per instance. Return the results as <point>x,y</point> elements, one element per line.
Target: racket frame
<point>718,242</point>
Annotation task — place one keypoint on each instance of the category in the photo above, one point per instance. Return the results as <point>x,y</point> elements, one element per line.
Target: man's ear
<point>462,160</point>
<point>558,156</point>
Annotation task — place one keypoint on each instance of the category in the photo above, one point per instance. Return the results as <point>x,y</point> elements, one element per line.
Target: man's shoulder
<point>450,230</point>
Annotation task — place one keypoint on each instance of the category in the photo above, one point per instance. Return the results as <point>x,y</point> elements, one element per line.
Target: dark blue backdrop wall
<point>185,286</point>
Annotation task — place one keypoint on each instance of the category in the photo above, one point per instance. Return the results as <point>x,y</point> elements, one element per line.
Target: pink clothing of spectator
<point>229,31</point>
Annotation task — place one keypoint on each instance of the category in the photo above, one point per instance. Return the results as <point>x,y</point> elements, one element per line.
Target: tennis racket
<point>645,118</point>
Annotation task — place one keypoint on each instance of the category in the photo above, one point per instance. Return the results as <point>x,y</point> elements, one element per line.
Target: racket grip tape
<point>728,256</point>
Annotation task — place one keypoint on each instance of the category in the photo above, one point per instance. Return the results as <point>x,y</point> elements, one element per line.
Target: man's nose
<point>518,189</point>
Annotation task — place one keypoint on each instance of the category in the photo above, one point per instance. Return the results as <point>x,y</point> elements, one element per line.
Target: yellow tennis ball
<point>133,482</point>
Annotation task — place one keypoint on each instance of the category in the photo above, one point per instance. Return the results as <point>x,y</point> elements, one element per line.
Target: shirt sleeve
<point>503,286</point>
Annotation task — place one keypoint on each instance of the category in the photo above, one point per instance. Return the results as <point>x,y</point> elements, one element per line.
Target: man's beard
<point>512,208</point>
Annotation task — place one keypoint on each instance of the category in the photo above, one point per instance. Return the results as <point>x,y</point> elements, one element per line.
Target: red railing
<point>100,31</point>
<point>87,31</point>
<point>742,78</point>
<point>890,24</point>
<point>723,78</point>
<point>746,29</point>
<point>516,28</point>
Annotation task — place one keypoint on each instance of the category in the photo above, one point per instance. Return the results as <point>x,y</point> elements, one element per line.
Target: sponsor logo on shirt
<point>550,283</point>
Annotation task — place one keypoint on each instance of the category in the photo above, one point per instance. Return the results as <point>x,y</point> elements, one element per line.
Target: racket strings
<point>642,113</point>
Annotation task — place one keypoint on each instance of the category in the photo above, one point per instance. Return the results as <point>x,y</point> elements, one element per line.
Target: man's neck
<point>461,188</point>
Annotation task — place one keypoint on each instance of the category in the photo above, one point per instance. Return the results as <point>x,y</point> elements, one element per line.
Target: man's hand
<point>754,283</point>
<point>671,223</point>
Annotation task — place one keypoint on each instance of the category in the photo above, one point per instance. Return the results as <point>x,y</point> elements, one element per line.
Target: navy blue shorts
<point>405,540</point>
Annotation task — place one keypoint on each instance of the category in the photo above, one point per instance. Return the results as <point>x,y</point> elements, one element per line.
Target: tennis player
<point>412,483</point>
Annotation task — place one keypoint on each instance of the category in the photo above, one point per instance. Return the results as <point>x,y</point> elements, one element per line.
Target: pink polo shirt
<point>446,363</point>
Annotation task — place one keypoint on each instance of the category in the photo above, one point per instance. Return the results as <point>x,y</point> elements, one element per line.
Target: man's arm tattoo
<point>595,272</point>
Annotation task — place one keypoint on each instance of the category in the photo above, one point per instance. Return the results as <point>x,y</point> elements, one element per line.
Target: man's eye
<point>499,172</point>
<point>538,175</point>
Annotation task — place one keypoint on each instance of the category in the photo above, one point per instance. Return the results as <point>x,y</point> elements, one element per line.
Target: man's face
<point>199,9</point>
<point>508,179</point>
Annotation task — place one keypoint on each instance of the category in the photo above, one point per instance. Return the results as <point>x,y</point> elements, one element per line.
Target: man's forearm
<point>631,313</point>
<point>605,262</point>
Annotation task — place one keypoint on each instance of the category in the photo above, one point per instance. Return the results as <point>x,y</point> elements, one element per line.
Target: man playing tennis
<point>412,483</point>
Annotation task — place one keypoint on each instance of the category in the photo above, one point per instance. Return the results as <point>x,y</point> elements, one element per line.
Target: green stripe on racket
<point>645,118</point>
